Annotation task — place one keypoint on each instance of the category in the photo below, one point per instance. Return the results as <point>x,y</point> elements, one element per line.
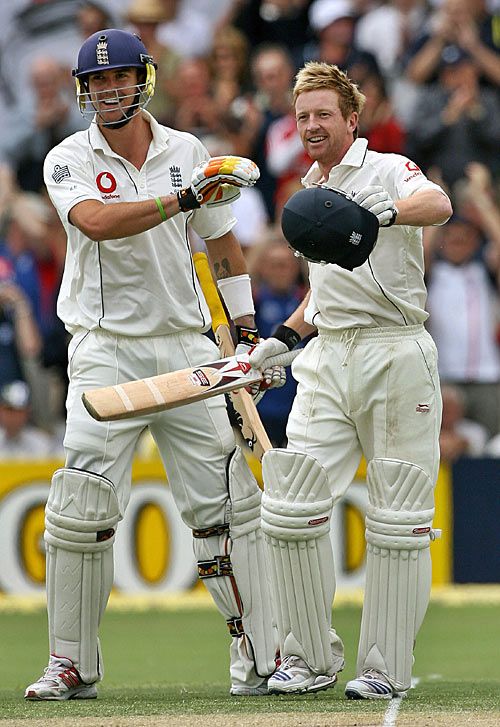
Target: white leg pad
<point>80,522</point>
<point>398,567</point>
<point>231,561</point>
<point>296,513</point>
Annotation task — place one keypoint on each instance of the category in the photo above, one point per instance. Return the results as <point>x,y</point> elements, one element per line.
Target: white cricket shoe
<point>295,677</point>
<point>241,690</point>
<point>371,685</point>
<point>60,681</point>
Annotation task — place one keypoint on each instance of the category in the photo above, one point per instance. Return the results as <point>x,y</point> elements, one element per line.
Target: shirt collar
<point>354,157</point>
<point>158,143</point>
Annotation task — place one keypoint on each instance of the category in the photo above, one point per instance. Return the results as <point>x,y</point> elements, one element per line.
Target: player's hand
<point>222,194</point>
<point>377,200</point>
<point>217,181</point>
<point>272,376</point>
<point>264,350</point>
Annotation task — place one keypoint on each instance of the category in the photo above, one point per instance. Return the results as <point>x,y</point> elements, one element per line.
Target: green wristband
<point>162,212</point>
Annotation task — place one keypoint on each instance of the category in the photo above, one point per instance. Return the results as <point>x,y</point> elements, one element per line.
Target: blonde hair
<point>317,75</point>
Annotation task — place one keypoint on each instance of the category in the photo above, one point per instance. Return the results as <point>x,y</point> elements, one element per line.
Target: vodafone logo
<point>414,170</point>
<point>412,167</point>
<point>106,183</point>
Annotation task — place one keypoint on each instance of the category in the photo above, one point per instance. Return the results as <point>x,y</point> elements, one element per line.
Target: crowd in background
<point>430,71</point>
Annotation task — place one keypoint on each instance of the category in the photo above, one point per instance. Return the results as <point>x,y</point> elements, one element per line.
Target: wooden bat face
<point>166,391</point>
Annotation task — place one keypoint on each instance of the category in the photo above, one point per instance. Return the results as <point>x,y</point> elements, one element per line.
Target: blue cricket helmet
<point>108,50</point>
<point>111,48</point>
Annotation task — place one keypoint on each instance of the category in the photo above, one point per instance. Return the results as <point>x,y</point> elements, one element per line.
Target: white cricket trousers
<point>194,440</point>
<point>367,391</point>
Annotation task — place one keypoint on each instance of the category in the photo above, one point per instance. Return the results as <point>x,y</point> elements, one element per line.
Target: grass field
<point>169,667</point>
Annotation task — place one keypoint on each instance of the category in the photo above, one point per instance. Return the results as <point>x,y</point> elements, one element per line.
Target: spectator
<point>276,22</point>
<point>463,26</point>
<point>18,438</point>
<point>464,124</point>
<point>47,117</point>
<point>229,66</point>
<point>145,17</point>
<point>492,448</point>
<point>250,212</point>
<point>476,197</point>
<point>196,110</point>
<point>378,122</point>
<point>34,29</point>
<point>93,15</point>
<point>272,71</point>
<point>334,25</point>
<point>20,340</point>
<point>28,247</point>
<point>54,358</point>
<point>24,227</point>
<point>278,291</point>
<point>388,30</point>
<point>286,158</point>
<point>459,436</point>
<point>8,189</point>
<point>463,304</point>
<point>190,25</point>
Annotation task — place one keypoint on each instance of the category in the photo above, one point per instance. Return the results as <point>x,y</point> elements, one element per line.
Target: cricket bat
<point>177,388</point>
<point>249,422</point>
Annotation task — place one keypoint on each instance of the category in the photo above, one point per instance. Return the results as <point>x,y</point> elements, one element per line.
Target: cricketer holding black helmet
<point>126,190</point>
<point>367,385</point>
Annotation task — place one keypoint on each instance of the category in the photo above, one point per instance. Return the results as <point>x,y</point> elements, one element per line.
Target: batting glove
<point>217,181</point>
<point>272,377</point>
<point>377,200</point>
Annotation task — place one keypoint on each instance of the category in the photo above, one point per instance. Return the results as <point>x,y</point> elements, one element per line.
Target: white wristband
<point>237,294</point>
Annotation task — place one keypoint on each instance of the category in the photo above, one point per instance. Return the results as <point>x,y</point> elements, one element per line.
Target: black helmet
<point>325,225</point>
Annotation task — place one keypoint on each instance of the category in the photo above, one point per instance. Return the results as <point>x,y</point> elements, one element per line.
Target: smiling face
<point>114,94</point>
<point>325,133</point>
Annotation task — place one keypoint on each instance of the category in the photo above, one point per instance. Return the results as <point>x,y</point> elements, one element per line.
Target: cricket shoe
<point>241,690</point>
<point>295,677</point>
<point>60,681</point>
<point>371,685</point>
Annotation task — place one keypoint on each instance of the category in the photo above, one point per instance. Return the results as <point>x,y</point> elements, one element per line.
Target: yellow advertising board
<point>153,547</point>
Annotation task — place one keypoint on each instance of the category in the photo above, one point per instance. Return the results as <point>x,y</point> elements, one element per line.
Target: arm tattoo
<point>222,269</point>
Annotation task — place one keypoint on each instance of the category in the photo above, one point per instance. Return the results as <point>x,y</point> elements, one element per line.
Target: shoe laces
<point>56,667</point>
<point>373,674</point>
<point>290,661</point>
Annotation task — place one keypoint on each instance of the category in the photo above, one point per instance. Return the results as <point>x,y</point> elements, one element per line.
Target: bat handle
<point>283,359</point>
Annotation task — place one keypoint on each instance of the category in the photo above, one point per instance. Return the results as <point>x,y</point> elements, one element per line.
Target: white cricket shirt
<point>143,285</point>
<point>388,289</point>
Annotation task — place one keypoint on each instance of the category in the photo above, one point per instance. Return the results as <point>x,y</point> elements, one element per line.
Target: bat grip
<point>283,359</point>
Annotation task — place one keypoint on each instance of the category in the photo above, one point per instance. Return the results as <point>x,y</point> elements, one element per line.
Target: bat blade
<point>166,391</point>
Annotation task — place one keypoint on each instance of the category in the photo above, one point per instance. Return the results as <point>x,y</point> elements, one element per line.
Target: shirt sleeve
<point>402,177</point>
<point>67,181</point>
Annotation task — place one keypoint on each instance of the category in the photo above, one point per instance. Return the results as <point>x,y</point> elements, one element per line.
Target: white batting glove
<point>215,181</point>
<point>265,349</point>
<point>377,200</point>
<point>273,377</point>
